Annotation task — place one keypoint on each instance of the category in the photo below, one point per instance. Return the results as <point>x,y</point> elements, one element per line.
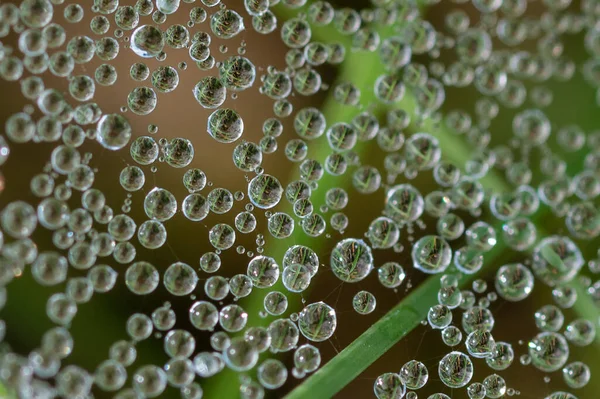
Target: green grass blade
<point>378,339</point>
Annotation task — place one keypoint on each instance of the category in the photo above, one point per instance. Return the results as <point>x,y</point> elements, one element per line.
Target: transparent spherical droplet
<point>144,150</point>
<point>222,236</point>
<point>556,260</point>
<point>389,386</point>
<point>180,372</point>
<point>220,200</point>
<point>102,277</point>
<point>240,285</point>
<point>549,318</point>
<point>275,303</point>
<point>364,302</point>
<point>150,381</point>
<point>383,233</point>
<point>179,343</point>
<point>142,100</point>
<point>263,271</point>
<point>438,396</point>
<point>451,336</point>
<point>431,254</point>
<point>195,207</point>
<point>549,351</point>
<point>237,73</point>
<point>307,358</point>
<point>259,337</point>
<point>455,370</point>
<point>226,23</point>
<point>272,374</point>
<point>477,318</point>
<point>142,278</point>
<point>576,374</point>
<point>139,326</point>
<point>139,71</point>
<point>495,386</point>
<point>36,13</point>
<point>210,92</point>
<point>480,343</point>
<point>450,226</point>
<point>414,374</point>
<point>225,125</point>
<point>519,234</point>
<point>296,277</point>
<point>251,389</point>
<point>314,225</point>
<point>449,296</point>
<point>514,282</point>
<point>565,296</point>
<point>309,123</point>
<point>233,318</point>
<point>147,41</point>
<point>422,151</point>
<point>247,156</point>
<point>160,204</point>
<point>284,335</point>
<point>439,316</point>
<point>561,395</point>
<point>132,178</point>
<point>351,260</point>
<point>180,279</point>
<point>476,391</point>
<point>391,274</point>
<point>203,315</point>
<point>73,381</point>
<point>302,255</point>
<point>152,234</point>
<point>481,236</point>
<point>208,364</point>
<point>110,375</point>
<point>502,356</point>
<point>49,268</point>
<point>79,289</point>
<point>165,79</point>
<point>467,194</point>
<point>265,191</point>
<point>295,33</point>
<point>317,321</point>
<point>366,179</point>
<point>580,332</point>
<point>123,352</point>
<point>164,318</point>
<point>114,131</point>
<point>468,260</point>
<point>583,221</point>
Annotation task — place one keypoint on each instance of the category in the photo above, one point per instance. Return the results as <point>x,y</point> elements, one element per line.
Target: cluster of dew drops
<point>484,38</point>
